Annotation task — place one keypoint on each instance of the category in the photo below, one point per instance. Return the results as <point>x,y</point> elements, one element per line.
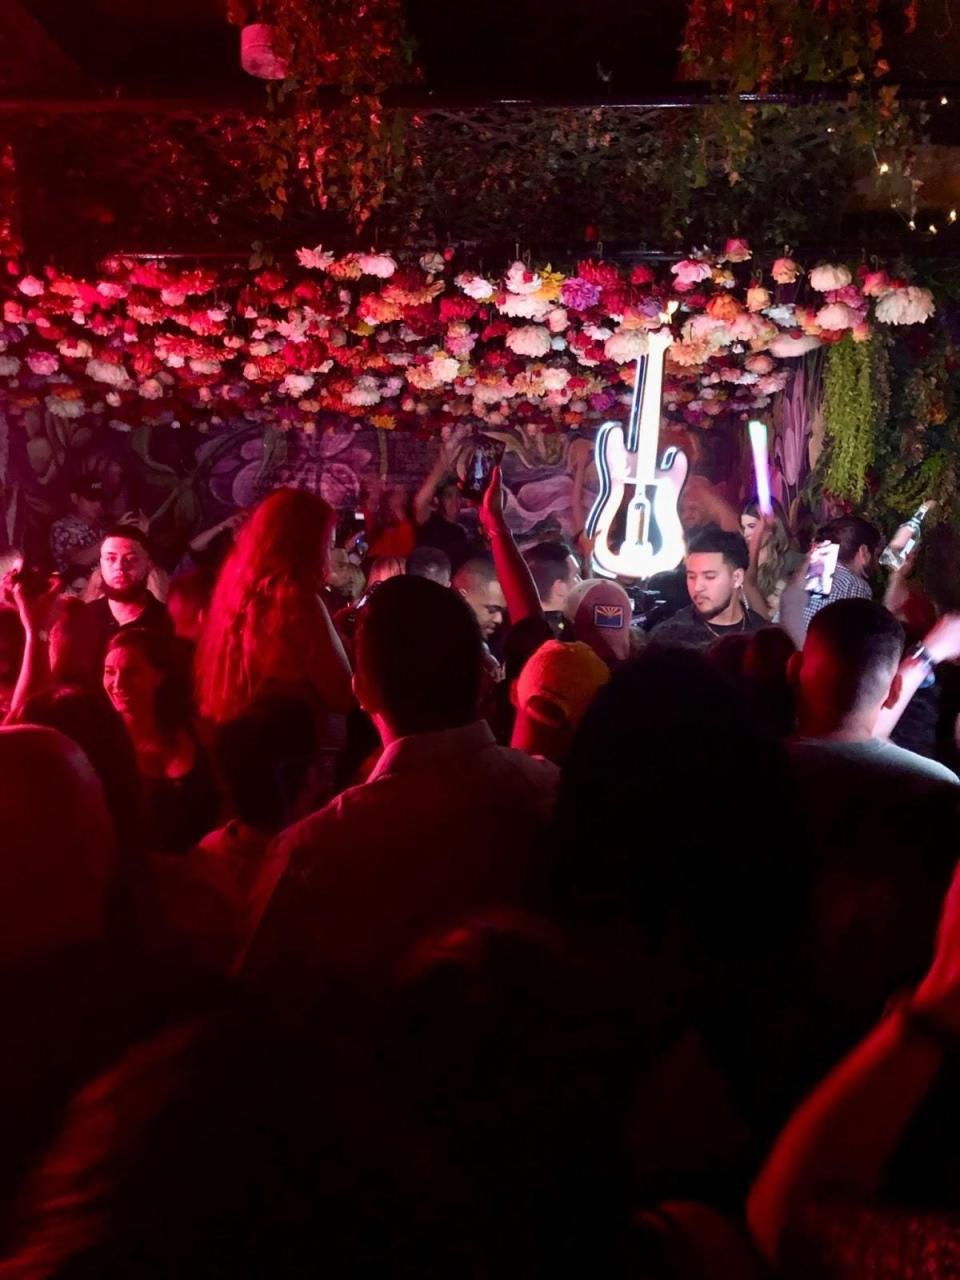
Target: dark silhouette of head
<point>430,562</point>
<point>419,656</point>
<point>263,759</point>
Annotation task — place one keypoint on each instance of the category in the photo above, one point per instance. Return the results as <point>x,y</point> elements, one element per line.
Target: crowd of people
<point>414,903</point>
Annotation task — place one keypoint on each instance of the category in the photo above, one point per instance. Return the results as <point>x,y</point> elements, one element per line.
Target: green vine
<point>855,401</point>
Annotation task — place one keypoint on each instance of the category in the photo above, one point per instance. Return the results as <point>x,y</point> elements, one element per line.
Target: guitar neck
<point>651,396</point>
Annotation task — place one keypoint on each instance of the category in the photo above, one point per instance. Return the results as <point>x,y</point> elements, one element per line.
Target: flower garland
<point>422,344</point>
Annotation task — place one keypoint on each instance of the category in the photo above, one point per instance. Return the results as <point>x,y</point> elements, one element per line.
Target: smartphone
<point>822,567</point>
<point>485,455</point>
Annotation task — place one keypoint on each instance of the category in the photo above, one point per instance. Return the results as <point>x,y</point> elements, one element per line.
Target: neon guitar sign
<point>634,521</point>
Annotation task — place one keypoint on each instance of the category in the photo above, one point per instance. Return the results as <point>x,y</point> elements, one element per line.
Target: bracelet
<point>920,653</point>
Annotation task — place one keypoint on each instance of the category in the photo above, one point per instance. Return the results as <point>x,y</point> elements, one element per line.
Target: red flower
<point>496,329</point>
<point>641,274</point>
<point>150,277</point>
<point>270,281</point>
<point>601,273</point>
<point>457,309</point>
<point>615,299</point>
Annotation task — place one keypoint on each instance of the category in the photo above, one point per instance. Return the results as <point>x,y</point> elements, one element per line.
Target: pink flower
<point>837,315</point>
<point>759,364</point>
<point>43,362</point>
<point>380,265</point>
<point>531,339</point>
<point>757,298</point>
<point>474,286</point>
<point>876,284</point>
<point>690,272</point>
<point>785,271</point>
<point>826,278</point>
<point>520,279</point>
<point>30,286</point>
<point>557,320</point>
<point>579,295</point>
<point>12,313</point>
<point>316,259</point>
<point>737,251</point>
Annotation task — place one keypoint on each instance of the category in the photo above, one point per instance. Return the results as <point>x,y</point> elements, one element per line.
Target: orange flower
<point>723,306</point>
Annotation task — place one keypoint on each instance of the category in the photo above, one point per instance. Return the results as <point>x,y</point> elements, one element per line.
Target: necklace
<point>726,630</point>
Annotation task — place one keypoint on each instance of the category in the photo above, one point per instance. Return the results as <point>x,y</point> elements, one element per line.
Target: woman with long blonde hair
<point>267,626</point>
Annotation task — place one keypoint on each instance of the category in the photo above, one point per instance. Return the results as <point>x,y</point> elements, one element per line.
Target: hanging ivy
<point>854,397</point>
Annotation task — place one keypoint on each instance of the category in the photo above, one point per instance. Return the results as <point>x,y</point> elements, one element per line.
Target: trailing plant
<point>855,395</point>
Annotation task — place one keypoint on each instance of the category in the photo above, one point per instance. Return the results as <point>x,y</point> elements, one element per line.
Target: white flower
<point>474,286</point>
<point>905,306</point>
<point>315,259</point>
<point>78,347</point>
<point>784,346</point>
<point>524,306</point>
<point>205,366</point>
<point>175,362</point>
<point>31,286</point>
<point>622,348</point>
<point>295,384</point>
<point>555,379</point>
<point>823,279</point>
<point>65,408</point>
<point>597,332</point>
<point>151,389</point>
<point>488,393</point>
<point>114,375</point>
<point>520,279</point>
<point>380,265</point>
<point>837,316</point>
<point>364,392</point>
<point>432,263</point>
<point>783,314</point>
<point>216,314</point>
<point>529,340</point>
<point>444,368</point>
<point>9,365</point>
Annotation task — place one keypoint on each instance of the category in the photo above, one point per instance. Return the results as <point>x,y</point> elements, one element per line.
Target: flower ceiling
<point>420,344</point>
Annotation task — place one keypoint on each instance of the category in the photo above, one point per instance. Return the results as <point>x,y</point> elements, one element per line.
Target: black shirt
<point>689,628</point>
<point>153,617</point>
<point>446,535</point>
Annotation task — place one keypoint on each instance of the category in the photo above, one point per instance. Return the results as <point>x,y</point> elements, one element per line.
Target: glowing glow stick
<point>761,465</point>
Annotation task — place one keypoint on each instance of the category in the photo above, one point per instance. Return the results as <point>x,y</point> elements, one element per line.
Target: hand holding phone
<point>821,568</point>
<point>486,455</point>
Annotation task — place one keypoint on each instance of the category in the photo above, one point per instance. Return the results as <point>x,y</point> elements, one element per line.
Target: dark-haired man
<point>431,563</point>
<point>859,543</point>
<point>447,823</point>
<point>555,572</point>
<point>126,601</point>
<point>883,821</point>
<point>716,563</point>
<point>75,538</point>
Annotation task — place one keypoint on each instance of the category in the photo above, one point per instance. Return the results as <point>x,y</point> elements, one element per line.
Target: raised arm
<point>36,615</point>
<point>940,644</point>
<point>838,1143</point>
<point>423,498</point>
<point>519,588</point>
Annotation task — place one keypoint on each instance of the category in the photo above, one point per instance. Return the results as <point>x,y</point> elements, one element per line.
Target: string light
<point>883,167</point>
<point>952,215</point>
<point>829,128</point>
<point>944,100</point>
<point>932,229</point>
<point>912,225</point>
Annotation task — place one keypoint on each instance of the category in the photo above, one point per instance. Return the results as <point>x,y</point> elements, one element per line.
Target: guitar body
<point>634,522</point>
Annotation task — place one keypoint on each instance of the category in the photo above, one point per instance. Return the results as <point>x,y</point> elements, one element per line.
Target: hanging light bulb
<point>883,167</point>
<point>912,225</point>
<point>932,229</point>
<point>952,215</point>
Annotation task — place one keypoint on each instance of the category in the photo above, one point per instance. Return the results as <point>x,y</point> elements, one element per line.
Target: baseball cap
<point>88,487</point>
<point>559,682</point>
<point>601,614</point>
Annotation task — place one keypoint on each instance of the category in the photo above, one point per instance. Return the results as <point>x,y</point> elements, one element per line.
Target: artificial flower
<point>579,295</point>
<point>30,286</point>
<point>43,363</point>
<point>875,284</point>
<point>151,389</point>
<point>474,286</point>
<point>625,346</point>
<point>520,279</point>
<point>758,298</point>
<point>114,375</point>
<point>736,250</point>
<point>690,272</point>
<point>785,271</point>
<point>823,279</point>
<point>837,315</point>
<point>316,259</point>
<point>910,305</point>
<point>444,368</point>
<point>530,340</point>
<point>380,265</point>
